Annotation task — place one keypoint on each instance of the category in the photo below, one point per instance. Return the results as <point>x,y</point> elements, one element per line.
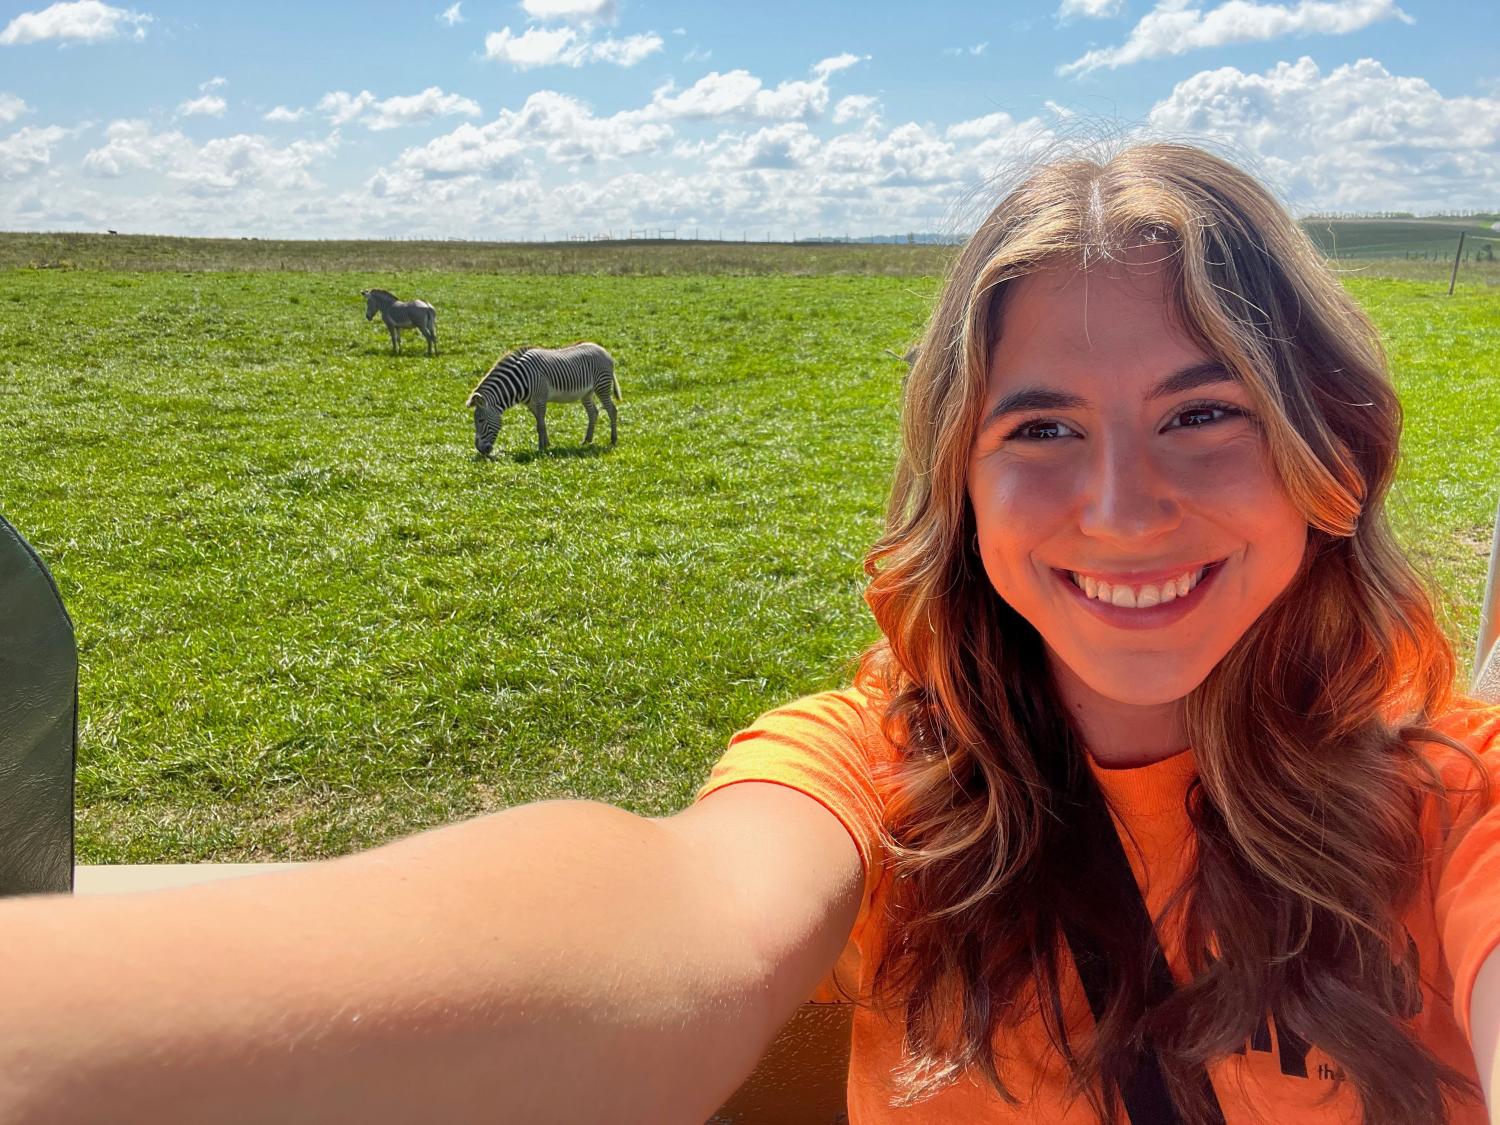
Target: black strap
<point>1145,1091</point>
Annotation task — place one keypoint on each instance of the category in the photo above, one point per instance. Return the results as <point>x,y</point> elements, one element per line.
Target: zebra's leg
<point>540,410</point>
<point>588,404</point>
<point>614,418</point>
<point>395,339</point>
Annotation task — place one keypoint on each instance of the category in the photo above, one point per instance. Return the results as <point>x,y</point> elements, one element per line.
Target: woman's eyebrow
<point>1042,398</point>
<point>1191,378</point>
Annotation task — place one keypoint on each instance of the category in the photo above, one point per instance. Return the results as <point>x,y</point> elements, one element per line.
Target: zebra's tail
<point>615,382</point>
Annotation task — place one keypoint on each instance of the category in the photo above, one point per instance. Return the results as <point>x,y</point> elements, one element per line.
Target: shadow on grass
<point>526,456</point>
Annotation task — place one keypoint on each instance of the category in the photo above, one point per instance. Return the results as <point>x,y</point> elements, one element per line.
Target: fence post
<point>1456,257</point>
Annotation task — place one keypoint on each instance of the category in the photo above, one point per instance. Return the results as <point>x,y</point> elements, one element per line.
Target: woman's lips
<point>1150,617</point>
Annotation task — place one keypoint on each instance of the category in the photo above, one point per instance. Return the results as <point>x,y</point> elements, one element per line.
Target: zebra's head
<point>373,299</point>
<point>502,387</point>
<point>486,424</point>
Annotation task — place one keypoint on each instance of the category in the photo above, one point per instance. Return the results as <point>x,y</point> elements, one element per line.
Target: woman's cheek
<point>1022,486</point>
<point>1237,469</point>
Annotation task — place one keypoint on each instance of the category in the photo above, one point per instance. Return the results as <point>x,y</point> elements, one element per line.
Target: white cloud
<point>11,107</point>
<point>282,113</point>
<point>624,52</point>
<point>1356,138</point>
<point>81,21</point>
<point>535,46</point>
<point>789,145</point>
<point>739,94</point>
<point>451,15</point>
<point>697,54</point>
<point>573,11</point>
<point>343,107</point>
<point>28,149</point>
<point>539,46</point>
<point>713,95</point>
<point>855,106</point>
<point>469,150</point>
<point>837,63</point>
<point>218,166</point>
<point>130,145</point>
<point>979,127</point>
<point>909,154</point>
<point>228,164</point>
<point>416,109</point>
<point>366,109</point>
<point>562,129</point>
<point>214,83</point>
<point>1174,27</point>
<point>1089,9</point>
<point>209,105</point>
<point>977,49</point>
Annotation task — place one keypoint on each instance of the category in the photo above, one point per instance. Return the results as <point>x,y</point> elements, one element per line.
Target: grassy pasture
<point>309,619</point>
<point>1401,248</point>
<point>1436,239</point>
<point>620,257</point>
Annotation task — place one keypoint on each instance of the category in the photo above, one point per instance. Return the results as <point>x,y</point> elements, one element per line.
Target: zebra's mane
<point>504,363</point>
<point>382,292</point>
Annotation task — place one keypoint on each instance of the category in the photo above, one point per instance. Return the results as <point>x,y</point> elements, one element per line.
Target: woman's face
<point>1125,501</point>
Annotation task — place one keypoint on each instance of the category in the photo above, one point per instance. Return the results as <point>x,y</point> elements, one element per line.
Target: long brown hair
<point>1313,719</point>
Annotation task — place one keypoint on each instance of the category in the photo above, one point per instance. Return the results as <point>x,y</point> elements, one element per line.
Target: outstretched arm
<point>558,962</point>
<point>1484,1025</point>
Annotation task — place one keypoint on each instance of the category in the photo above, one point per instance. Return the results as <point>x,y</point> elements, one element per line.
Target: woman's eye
<point>1203,414</point>
<point>1042,430</point>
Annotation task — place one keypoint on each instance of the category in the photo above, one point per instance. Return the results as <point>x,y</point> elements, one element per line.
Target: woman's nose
<point>1131,498</point>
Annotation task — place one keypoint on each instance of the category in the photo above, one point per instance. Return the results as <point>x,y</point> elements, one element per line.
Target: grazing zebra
<point>537,376</point>
<point>401,314</point>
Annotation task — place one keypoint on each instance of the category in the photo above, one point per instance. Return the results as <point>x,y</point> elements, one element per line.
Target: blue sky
<point>550,118</point>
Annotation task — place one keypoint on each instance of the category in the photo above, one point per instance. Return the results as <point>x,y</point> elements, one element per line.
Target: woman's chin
<point>1129,684</point>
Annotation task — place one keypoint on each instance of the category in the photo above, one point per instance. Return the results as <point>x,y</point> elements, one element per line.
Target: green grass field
<point>1435,239</point>
<point>310,619</point>
<point>620,257</point>
<point>1400,248</point>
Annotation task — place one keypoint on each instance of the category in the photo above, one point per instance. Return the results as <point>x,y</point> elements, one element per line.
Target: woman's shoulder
<point>1469,729</point>
<point>1472,722</point>
<point>853,714</point>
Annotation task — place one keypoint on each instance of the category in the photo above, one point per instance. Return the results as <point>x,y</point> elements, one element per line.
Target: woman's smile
<point>1150,601</point>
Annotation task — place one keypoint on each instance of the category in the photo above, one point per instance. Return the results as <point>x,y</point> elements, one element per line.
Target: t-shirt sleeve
<point>822,746</point>
<point>1468,886</point>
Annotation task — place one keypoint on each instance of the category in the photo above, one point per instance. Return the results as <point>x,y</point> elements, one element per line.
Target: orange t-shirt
<point>824,746</point>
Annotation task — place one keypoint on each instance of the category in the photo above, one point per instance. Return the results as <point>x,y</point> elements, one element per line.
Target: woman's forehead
<point>1112,312</point>
<point>1143,272</point>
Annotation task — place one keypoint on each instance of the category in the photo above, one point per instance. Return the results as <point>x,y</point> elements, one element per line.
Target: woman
<point>1138,509</point>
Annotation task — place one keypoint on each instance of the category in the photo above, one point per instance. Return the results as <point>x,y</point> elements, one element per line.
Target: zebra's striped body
<point>537,376</point>
<point>401,314</point>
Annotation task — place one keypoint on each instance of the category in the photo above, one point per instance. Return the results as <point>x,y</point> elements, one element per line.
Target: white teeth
<point>1140,597</point>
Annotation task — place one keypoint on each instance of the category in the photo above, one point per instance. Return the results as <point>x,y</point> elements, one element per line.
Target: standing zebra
<point>401,314</point>
<point>537,376</point>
